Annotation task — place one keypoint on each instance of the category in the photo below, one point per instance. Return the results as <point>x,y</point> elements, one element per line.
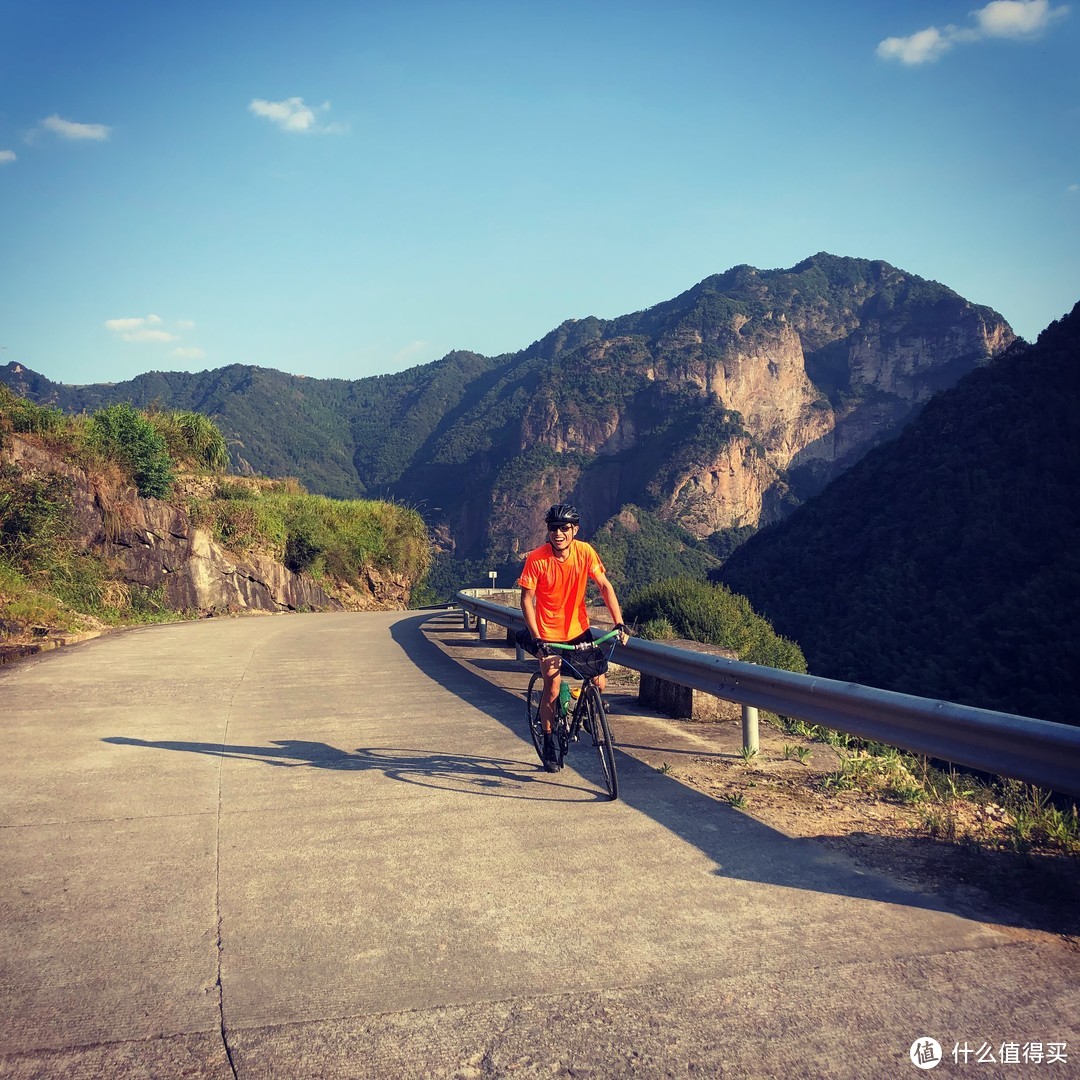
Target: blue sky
<point>348,189</point>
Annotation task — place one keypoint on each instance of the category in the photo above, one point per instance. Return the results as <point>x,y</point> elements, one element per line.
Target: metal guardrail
<point>1020,747</point>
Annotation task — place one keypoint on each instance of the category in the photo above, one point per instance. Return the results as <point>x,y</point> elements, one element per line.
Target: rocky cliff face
<point>815,385</point>
<point>152,543</point>
<point>727,492</point>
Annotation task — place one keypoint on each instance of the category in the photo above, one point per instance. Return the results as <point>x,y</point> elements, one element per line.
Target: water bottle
<point>564,698</point>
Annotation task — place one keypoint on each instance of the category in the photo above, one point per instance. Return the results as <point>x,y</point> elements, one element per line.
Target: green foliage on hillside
<point>45,581</point>
<point>149,448</point>
<point>33,516</point>
<point>193,441</point>
<point>331,539</point>
<point>947,563</point>
<point>398,417</point>
<point>713,615</point>
<point>638,547</point>
<point>695,430</point>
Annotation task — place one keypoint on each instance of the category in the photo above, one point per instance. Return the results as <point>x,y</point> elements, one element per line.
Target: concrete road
<point>316,846</point>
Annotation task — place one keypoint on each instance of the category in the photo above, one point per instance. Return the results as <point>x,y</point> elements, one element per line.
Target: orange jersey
<point>560,588</point>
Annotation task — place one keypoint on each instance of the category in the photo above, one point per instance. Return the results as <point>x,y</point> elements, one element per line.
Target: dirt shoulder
<point>959,851</point>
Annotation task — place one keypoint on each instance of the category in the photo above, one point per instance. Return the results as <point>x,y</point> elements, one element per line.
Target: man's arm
<point>607,591</point>
<point>528,609</point>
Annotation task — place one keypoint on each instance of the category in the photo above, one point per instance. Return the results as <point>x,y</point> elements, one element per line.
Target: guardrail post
<point>465,618</point>
<point>481,625</point>
<point>750,729</point>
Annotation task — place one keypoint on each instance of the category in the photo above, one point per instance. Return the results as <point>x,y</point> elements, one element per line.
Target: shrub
<point>192,439</point>
<point>713,615</point>
<point>120,431</point>
<point>24,416</point>
<point>657,630</point>
<point>33,516</point>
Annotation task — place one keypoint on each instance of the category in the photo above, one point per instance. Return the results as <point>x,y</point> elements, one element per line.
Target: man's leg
<point>549,669</point>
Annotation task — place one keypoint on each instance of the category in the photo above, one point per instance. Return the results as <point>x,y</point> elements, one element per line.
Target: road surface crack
<point>217,871</point>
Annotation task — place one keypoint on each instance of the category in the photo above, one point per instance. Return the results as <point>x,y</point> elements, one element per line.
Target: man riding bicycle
<point>553,586</point>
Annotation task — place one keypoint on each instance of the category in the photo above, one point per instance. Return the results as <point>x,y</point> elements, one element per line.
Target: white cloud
<point>149,335</point>
<point>918,48</point>
<point>69,129</point>
<point>1018,20</point>
<point>294,115</point>
<point>140,329</point>
<point>189,354</point>
<point>6,156</point>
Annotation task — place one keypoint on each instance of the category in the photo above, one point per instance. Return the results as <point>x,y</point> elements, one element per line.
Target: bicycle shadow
<point>463,773</point>
<point>740,846</point>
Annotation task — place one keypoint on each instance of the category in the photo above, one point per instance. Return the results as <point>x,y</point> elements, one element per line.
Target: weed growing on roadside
<point>1033,819</point>
<point>1036,820</point>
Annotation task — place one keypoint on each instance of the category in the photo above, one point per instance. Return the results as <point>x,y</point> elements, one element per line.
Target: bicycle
<point>587,661</point>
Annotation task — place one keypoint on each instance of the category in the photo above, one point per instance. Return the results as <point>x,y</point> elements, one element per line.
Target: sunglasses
<point>560,528</point>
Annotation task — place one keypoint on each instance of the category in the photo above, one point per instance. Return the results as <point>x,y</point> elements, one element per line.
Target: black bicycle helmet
<point>562,513</point>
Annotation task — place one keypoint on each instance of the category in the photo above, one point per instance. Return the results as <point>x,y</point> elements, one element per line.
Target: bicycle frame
<point>588,712</point>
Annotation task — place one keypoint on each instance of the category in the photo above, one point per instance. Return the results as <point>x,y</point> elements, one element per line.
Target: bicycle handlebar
<point>581,644</point>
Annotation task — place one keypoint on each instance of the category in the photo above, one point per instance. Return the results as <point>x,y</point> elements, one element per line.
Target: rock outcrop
<point>152,543</point>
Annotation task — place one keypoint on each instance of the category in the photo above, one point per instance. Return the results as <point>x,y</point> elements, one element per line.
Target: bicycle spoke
<point>532,713</point>
<point>601,736</point>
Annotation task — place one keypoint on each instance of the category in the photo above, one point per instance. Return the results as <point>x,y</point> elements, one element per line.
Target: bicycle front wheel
<point>601,737</point>
<point>532,712</point>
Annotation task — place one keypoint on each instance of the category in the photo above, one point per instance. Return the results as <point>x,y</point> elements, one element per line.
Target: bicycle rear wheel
<point>601,737</point>
<point>532,712</point>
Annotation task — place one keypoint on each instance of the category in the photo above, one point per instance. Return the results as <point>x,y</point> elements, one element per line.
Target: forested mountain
<point>676,429</point>
<point>947,562</point>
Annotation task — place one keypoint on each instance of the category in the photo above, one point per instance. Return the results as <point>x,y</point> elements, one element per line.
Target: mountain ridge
<point>718,409</point>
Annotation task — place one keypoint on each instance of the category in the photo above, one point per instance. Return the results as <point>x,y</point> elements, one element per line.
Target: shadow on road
<point>498,777</point>
<point>745,848</point>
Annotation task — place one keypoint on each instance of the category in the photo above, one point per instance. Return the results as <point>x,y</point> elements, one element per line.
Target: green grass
<point>327,538</point>
<point>25,604</point>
